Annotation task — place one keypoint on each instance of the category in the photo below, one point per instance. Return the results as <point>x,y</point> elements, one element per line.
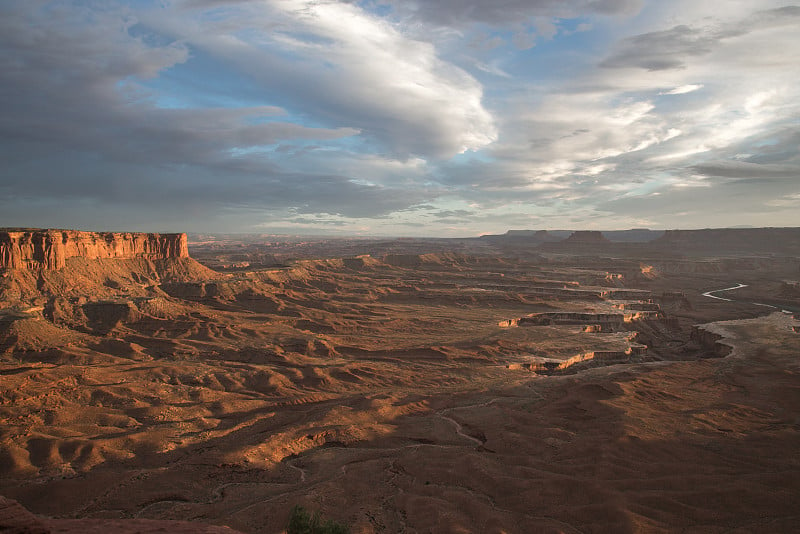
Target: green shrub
<point>303,522</point>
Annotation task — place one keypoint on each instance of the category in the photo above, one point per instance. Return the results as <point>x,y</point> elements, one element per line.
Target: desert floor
<point>405,393</point>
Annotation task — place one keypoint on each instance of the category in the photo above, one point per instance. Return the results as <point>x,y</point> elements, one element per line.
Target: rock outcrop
<point>50,249</point>
<point>16,519</point>
<point>790,289</point>
<point>711,340</point>
<point>565,318</point>
<point>591,322</point>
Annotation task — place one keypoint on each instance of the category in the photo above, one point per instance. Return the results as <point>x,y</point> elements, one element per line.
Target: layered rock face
<point>49,249</point>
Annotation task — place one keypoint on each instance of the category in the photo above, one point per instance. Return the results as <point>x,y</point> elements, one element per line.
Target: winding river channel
<point>711,294</point>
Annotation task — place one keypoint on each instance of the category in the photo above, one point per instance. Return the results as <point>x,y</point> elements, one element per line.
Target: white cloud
<point>683,89</point>
<point>332,112</point>
<point>611,126</point>
<point>351,68</point>
<point>789,201</point>
<point>464,12</point>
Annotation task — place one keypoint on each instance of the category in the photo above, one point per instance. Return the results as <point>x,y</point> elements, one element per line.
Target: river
<point>711,295</point>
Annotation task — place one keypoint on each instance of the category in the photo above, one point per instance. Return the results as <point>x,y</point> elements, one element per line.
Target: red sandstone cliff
<point>49,249</point>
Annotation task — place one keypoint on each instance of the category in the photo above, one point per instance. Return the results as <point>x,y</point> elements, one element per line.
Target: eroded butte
<point>518,383</point>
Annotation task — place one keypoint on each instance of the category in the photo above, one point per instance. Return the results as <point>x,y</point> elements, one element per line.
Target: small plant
<point>303,522</point>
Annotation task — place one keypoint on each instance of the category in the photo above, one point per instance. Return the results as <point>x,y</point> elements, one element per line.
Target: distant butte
<point>49,249</point>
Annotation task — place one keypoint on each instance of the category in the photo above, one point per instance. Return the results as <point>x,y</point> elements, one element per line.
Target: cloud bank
<point>389,117</point>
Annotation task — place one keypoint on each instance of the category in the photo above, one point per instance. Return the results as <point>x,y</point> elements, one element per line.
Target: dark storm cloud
<point>446,214</point>
<point>742,169</point>
<point>780,146</point>
<point>245,182</point>
<point>481,175</point>
<point>663,49</point>
<point>697,206</point>
<point>500,12</point>
<point>781,16</point>
<point>59,86</point>
<point>316,220</point>
<point>75,129</point>
<point>671,49</point>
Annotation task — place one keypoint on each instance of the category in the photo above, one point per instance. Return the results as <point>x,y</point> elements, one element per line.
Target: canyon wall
<point>50,249</point>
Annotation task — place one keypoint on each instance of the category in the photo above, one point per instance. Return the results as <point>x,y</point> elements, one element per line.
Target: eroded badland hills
<point>528,382</point>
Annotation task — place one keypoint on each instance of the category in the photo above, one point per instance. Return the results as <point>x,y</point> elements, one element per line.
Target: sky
<point>398,117</point>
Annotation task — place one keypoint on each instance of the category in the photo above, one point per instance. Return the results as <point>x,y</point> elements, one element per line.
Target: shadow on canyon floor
<point>700,446</point>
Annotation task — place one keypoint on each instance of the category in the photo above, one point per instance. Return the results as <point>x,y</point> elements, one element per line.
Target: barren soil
<point>405,393</point>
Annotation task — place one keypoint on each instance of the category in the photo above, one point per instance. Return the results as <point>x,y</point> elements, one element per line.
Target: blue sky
<point>389,117</point>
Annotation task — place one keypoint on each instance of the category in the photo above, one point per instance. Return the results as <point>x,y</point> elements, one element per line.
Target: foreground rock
<point>15,519</point>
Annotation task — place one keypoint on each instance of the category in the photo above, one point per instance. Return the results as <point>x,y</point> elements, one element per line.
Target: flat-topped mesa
<point>730,240</point>
<point>590,237</point>
<point>50,249</point>
<point>581,241</point>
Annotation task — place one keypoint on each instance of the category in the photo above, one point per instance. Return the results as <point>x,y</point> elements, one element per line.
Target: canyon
<point>530,382</point>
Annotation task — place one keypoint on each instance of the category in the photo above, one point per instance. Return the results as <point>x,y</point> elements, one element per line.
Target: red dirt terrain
<point>560,389</point>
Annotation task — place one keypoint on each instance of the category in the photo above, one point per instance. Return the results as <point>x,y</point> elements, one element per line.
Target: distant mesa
<point>634,235</point>
<point>526,237</point>
<point>731,240</point>
<point>49,249</point>
<point>538,235</point>
<point>590,237</point>
<point>637,241</point>
<point>580,241</point>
